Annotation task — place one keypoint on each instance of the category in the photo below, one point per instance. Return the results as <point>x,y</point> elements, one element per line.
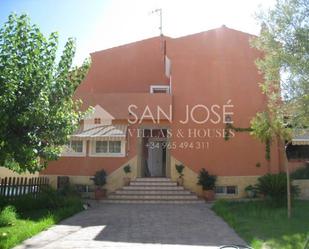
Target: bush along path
<point>26,216</point>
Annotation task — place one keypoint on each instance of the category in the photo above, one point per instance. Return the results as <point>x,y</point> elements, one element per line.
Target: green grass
<point>30,223</point>
<point>8,216</point>
<point>262,226</point>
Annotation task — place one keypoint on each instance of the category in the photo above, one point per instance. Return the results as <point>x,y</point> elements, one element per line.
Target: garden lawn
<point>32,222</point>
<point>261,225</point>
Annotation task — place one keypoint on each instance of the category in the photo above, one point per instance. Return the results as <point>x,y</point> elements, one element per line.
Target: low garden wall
<point>304,188</point>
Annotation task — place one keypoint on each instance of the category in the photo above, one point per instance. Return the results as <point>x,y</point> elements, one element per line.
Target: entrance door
<point>155,160</point>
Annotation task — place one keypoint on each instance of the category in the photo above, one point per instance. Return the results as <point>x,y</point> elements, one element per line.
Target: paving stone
<point>148,226</point>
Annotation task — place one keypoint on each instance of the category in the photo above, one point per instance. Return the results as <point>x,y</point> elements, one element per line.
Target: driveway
<point>138,226</point>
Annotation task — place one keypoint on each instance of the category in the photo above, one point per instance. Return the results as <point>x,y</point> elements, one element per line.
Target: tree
<point>37,111</point>
<point>285,67</point>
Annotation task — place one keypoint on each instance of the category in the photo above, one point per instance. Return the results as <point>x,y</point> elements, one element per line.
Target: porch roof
<point>103,132</point>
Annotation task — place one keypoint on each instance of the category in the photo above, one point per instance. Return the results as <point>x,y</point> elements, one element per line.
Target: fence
<point>12,187</point>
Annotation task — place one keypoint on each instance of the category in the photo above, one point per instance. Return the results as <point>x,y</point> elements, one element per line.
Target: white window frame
<point>95,147</point>
<point>97,119</point>
<point>67,152</point>
<point>93,153</point>
<point>225,190</point>
<point>159,87</point>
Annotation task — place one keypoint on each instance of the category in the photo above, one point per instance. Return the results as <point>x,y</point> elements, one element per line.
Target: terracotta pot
<point>99,193</point>
<point>209,195</point>
<point>180,181</point>
<point>126,181</point>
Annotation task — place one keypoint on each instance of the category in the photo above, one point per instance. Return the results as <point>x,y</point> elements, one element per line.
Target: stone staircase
<point>152,190</point>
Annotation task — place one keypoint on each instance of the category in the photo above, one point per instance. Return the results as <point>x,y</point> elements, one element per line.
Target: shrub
<point>69,190</point>
<point>8,216</point>
<point>179,169</point>
<point>127,169</point>
<point>100,178</point>
<point>301,173</point>
<point>206,180</point>
<point>250,188</point>
<point>274,188</point>
<point>48,198</point>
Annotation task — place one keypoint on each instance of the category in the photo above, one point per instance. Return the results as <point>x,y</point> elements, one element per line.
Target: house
<point>5,172</point>
<point>166,101</point>
<point>298,150</point>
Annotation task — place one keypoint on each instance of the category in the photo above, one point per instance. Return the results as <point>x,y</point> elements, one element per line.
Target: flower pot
<point>180,181</point>
<point>209,195</point>
<point>99,193</point>
<point>126,181</point>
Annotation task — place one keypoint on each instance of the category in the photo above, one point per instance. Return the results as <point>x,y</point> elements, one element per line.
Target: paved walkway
<point>140,226</point>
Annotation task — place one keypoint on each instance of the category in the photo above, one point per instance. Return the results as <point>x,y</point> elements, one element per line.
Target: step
<point>152,192</point>
<point>155,183</point>
<point>154,197</point>
<point>152,187</point>
<point>152,179</point>
<point>198,201</point>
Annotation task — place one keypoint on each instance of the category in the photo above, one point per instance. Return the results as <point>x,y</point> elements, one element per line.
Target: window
<point>108,148</point>
<point>74,148</point>
<point>101,147</point>
<point>226,190</point>
<point>159,89</point>
<point>231,190</point>
<point>97,121</point>
<point>220,190</point>
<point>298,152</point>
<point>114,147</point>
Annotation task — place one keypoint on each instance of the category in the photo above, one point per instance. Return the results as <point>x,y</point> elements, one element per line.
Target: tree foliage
<point>37,111</point>
<point>284,40</point>
<point>285,66</point>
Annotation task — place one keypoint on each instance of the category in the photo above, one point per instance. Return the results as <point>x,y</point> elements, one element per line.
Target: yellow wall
<point>4,172</point>
<point>304,188</point>
<point>190,180</point>
<point>114,180</point>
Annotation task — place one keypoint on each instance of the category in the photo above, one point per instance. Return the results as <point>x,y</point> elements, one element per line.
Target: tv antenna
<point>159,11</point>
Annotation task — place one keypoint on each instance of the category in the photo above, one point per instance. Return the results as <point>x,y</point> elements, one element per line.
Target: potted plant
<point>99,180</point>
<point>127,179</point>
<point>179,169</point>
<point>250,191</point>
<point>207,182</point>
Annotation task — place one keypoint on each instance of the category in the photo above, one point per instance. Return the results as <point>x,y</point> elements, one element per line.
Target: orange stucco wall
<point>130,68</point>
<point>212,68</point>
<point>208,68</point>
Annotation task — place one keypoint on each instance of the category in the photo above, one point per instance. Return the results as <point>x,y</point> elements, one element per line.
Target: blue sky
<point>101,24</point>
